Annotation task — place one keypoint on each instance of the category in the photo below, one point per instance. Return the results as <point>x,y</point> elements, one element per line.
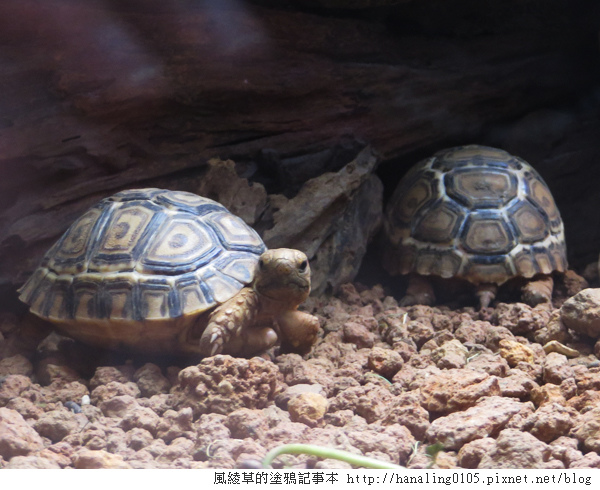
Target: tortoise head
<point>283,275</point>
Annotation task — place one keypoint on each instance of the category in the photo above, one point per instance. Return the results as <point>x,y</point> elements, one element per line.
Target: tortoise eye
<point>261,264</point>
<point>303,265</point>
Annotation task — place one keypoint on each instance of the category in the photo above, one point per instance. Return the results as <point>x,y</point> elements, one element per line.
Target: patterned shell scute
<point>478,213</point>
<point>145,254</point>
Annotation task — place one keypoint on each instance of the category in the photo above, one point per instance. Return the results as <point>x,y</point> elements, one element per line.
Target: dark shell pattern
<point>477,213</point>
<point>145,254</point>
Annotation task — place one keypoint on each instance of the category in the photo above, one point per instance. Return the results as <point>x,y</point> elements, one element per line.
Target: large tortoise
<point>475,213</point>
<point>165,272</point>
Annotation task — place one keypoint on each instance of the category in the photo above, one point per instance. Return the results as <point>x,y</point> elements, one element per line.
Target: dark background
<point>97,96</point>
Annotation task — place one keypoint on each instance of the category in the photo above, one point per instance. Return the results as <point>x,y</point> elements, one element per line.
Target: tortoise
<point>479,214</point>
<point>170,272</point>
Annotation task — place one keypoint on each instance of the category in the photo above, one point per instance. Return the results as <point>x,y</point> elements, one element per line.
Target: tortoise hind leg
<point>419,292</point>
<point>538,290</point>
<point>486,294</point>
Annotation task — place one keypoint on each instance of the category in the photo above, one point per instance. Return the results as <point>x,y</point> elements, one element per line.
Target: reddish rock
<point>548,393</point>
<point>521,319</point>
<point>112,389</point>
<point>456,389</point>
<point>222,384</point>
<point>282,399</point>
<point>63,392</point>
<point>487,362</point>
<point>486,418</point>
<point>369,401</point>
<point>88,459</point>
<point>420,331</point>
<point>470,454</point>
<point>385,362</point>
<point>142,418</point>
<point>494,335</point>
<point>12,386</point>
<point>394,440</point>
<point>587,430</point>
<point>179,449</point>
<point>557,368</point>
<point>590,460</point>
<point>16,364</point>
<point>308,408</point>
<point>554,329</point>
<point>516,449</point>
<point>31,463</point>
<point>25,407</point>
<point>57,424</point>
<point>551,421</point>
<point>517,384</point>
<point>450,355</point>
<point>358,334</point>
<point>17,437</point>
<point>174,425</point>
<point>119,406</point>
<point>582,312</point>
<point>515,352</point>
<point>587,379</point>
<point>138,438</point>
<point>150,380</point>
<point>588,400</point>
<point>472,332</point>
<point>406,410</point>
<point>106,374</point>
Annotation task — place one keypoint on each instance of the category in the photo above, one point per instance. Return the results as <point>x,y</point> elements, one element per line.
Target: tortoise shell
<point>144,255</point>
<point>476,213</point>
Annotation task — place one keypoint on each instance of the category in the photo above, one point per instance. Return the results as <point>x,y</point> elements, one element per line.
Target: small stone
<point>587,430</point>
<point>118,406</point>
<point>17,437</point>
<point>582,312</point>
<point>385,362</point>
<point>17,364</point>
<point>151,381</point>
<point>57,424</point>
<point>451,355</point>
<point>517,450</point>
<point>31,463</point>
<point>548,393</point>
<point>557,368</point>
<point>485,419</point>
<point>98,459</point>
<point>550,421</point>
<point>282,399</point>
<point>470,454</point>
<point>358,334</point>
<point>555,346</point>
<point>515,352</point>
<point>308,408</point>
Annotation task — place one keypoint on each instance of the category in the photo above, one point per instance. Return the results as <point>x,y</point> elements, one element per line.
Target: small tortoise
<point>164,272</point>
<point>479,214</point>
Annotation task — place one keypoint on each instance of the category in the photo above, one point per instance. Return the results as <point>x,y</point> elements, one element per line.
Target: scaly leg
<point>486,294</point>
<point>231,328</point>
<point>538,290</point>
<point>419,292</point>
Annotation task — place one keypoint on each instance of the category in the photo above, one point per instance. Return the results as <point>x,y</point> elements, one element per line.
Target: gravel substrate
<point>497,388</point>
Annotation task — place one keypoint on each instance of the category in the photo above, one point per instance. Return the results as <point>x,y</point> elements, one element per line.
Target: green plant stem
<point>328,453</point>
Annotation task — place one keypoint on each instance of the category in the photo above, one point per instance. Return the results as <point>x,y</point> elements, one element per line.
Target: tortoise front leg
<point>232,328</point>
<point>538,290</point>
<point>298,331</point>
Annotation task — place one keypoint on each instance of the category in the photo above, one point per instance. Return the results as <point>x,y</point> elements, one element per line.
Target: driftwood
<point>98,96</point>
